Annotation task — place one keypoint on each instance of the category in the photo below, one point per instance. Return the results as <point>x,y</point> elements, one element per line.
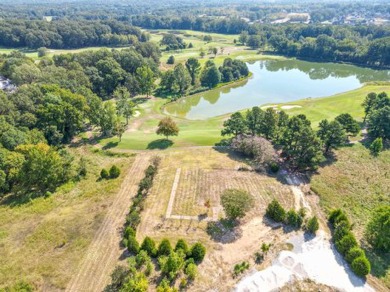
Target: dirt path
<point>104,251</point>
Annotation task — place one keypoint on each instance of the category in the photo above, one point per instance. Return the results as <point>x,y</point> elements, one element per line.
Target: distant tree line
<point>68,34</point>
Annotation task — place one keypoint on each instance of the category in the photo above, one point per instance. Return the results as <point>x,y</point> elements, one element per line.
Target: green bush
<point>133,219</point>
<point>150,171</point>
<point>274,166</point>
<point>132,245</point>
<point>198,251</point>
<point>141,259</point>
<point>114,171</point>
<point>275,211</point>
<point>240,268</point>
<point>313,225</point>
<point>294,219</point>
<point>171,60</point>
<point>341,230</point>
<point>191,271</point>
<point>164,248</point>
<point>104,174</point>
<point>361,266</point>
<point>149,246</point>
<point>173,265</point>
<point>129,231</point>
<point>378,229</point>
<point>346,243</point>
<point>181,244</point>
<point>333,215</point>
<point>353,253</point>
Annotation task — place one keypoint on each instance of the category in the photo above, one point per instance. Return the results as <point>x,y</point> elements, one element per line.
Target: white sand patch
<point>314,258</point>
<point>268,106</point>
<point>290,106</point>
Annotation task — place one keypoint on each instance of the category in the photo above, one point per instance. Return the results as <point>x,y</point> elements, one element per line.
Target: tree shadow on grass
<point>110,145</point>
<point>159,144</point>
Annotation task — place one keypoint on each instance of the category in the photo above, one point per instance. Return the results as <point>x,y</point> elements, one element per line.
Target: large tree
<point>301,146</point>
<point>348,123</point>
<point>379,123</point>
<point>210,76</point>
<point>193,67</point>
<point>145,78</point>
<point>234,125</point>
<point>167,127</point>
<point>124,106</point>
<point>331,134</point>
<point>182,78</point>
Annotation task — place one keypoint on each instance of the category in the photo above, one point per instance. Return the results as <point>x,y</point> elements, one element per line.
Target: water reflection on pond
<point>276,81</point>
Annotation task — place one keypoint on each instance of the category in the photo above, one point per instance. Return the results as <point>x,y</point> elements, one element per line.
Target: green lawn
<point>141,132</point>
<point>317,109</point>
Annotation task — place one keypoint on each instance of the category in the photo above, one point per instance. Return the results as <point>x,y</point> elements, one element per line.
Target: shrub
<point>353,253</point>
<point>172,265</point>
<point>164,248</point>
<point>132,245</point>
<point>274,166</point>
<point>347,242</point>
<point>240,268</point>
<point>275,211</point>
<point>236,203</point>
<point>191,271</point>
<point>141,259</point>
<point>198,251</point>
<point>376,146</point>
<point>378,229</point>
<point>171,60</point>
<point>149,246</point>
<point>341,230</point>
<point>114,171</point>
<point>361,266</point>
<point>129,231</point>
<point>104,174</point>
<point>333,215</point>
<point>294,219</point>
<point>133,219</point>
<point>313,225</point>
<point>150,171</point>
<point>181,244</point>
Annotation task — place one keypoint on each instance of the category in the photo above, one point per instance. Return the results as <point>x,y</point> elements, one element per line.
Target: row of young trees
<point>171,262</point>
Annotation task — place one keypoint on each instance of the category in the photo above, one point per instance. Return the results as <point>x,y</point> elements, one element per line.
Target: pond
<point>276,81</point>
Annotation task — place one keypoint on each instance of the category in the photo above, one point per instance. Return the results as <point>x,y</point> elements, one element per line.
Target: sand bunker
<point>312,258</point>
<point>290,106</point>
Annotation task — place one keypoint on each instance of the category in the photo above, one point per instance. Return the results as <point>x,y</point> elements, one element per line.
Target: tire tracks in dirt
<point>94,272</point>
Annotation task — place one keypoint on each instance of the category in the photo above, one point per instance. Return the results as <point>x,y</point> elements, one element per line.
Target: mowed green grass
<point>141,133</point>
<point>317,109</point>
<point>357,182</point>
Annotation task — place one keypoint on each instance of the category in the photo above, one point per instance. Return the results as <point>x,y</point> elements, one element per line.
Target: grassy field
<point>42,241</point>
<point>141,132</point>
<point>358,183</point>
